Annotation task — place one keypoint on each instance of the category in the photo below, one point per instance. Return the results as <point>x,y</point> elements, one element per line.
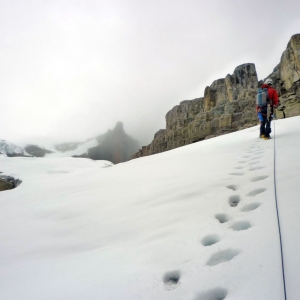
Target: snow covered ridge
<point>114,145</point>
<point>195,223</point>
<point>80,149</point>
<point>10,149</point>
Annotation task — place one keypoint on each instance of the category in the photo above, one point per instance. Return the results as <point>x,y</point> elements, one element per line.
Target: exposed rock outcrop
<point>8,182</point>
<point>115,146</point>
<point>286,78</point>
<point>5,185</point>
<point>36,151</point>
<point>229,104</point>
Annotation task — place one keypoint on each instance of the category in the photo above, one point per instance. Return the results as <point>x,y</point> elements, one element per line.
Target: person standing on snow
<point>264,116</point>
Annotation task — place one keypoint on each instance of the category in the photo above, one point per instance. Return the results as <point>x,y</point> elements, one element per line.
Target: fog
<point>71,69</point>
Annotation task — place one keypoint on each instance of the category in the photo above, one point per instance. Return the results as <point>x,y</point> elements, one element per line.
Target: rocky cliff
<point>229,104</point>
<point>286,78</point>
<point>115,146</point>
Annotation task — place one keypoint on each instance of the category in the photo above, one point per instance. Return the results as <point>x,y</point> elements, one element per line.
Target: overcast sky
<point>69,70</point>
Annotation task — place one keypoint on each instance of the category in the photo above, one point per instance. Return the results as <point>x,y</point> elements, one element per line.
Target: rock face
<point>36,151</point>
<point>229,104</point>
<point>115,146</point>
<point>286,78</point>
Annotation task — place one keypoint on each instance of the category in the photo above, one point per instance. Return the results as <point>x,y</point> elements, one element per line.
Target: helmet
<point>269,81</point>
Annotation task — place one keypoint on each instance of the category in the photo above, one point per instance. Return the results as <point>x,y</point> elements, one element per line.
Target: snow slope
<point>288,192</point>
<point>198,222</point>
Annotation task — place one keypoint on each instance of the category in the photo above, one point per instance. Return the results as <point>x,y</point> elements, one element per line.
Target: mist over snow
<point>71,69</point>
<point>198,222</point>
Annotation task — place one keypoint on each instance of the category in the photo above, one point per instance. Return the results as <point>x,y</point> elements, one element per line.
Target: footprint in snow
<point>256,157</point>
<point>241,225</point>
<point>254,163</point>
<point>259,178</point>
<point>256,192</point>
<point>222,218</point>
<point>251,206</point>
<point>213,294</point>
<point>232,187</point>
<point>171,279</point>
<point>256,168</point>
<point>237,174</point>
<point>210,240</point>
<point>234,200</point>
<point>222,256</point>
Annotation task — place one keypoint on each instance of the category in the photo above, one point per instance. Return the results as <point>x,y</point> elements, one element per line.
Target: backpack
<point>262,97</point>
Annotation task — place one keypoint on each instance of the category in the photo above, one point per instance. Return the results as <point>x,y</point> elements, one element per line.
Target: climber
<point>266,110</point>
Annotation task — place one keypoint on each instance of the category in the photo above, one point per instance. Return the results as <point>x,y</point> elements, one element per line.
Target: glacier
<point>198,222</point>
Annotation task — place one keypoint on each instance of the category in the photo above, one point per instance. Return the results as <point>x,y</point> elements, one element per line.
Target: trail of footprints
<point>172,278</point>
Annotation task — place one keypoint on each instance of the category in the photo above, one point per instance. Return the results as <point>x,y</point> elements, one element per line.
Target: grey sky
<point>71,69</point>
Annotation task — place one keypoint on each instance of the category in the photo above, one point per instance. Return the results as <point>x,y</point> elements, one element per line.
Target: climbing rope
<point>282,263</point>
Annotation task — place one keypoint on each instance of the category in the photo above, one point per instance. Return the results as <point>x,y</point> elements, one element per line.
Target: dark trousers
<point>265,126</point>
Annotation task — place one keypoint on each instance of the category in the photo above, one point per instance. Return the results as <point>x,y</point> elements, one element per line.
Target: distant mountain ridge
<point>228,104</point>
<point>115,146</point>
